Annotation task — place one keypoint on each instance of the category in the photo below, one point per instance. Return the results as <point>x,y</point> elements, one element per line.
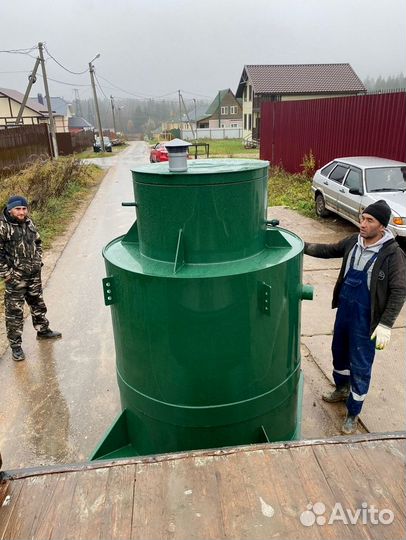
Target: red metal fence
<point>20,144</point>
<point>368,125</point>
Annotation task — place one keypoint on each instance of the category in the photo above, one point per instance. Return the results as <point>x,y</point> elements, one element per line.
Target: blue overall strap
<point>368,264</point>
<point>354,251</point>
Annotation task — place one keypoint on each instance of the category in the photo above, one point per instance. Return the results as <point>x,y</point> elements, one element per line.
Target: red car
<point>158,153</point>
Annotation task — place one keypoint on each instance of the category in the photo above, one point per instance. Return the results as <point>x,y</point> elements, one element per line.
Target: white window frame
<point>233,109</point>
<point>224,109</point>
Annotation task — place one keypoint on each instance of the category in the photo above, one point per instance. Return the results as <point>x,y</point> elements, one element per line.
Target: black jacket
<point>388,278</point>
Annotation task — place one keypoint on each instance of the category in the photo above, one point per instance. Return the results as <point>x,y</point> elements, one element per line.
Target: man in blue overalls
<point>369,294</point>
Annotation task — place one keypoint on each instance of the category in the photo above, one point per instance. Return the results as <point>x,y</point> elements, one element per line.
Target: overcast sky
<point>155,47</point>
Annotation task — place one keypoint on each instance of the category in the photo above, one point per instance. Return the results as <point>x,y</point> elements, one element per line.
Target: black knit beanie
<point>16,200</point>
<point>380,210</point>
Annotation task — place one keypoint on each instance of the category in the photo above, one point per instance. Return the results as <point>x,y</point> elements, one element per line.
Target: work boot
<point>350,425</point>
<point>48,334</point>
<point>339,394</point>
<point>17,354</point>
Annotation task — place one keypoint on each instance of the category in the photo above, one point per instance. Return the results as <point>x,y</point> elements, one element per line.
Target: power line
<point>125,91</point>
<point>138,95</point>
<point>195,94</point>
<point>99,85</point>
<point>66,83</point>
<point>19,51</point>
<point>63,67</point>
<point>6,72</point>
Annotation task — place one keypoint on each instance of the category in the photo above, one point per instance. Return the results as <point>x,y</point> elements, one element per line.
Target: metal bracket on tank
<point>264,298</point>
<point>274,237</point>
<point>265,434</point>
<point>108,289</point>
<point>180,253</point>
<point>132,235</point>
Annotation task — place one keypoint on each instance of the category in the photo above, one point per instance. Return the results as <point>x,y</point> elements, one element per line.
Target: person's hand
<point>381,334</point>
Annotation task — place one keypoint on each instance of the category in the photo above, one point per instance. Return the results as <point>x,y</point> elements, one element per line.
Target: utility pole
<point>187,116</point>
<point>180,114</point>
<point>78,105</point>
<point>96,105</point>
<point>48,98</point>
<point>31,80</point>
<point>194,100</point>
<point>114,116</point>
<point>219,110</point>
<point>120,123</point>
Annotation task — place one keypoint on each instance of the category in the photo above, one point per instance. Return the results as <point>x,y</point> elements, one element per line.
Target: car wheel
<point>321,209</point>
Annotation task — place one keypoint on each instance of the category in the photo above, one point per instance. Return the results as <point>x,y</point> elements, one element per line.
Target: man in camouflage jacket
<point>20,268</point>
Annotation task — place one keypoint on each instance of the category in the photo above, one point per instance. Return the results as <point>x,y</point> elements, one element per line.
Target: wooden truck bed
<point>262,491</point>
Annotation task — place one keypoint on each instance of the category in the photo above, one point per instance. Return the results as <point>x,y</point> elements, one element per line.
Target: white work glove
<point>381,334</point>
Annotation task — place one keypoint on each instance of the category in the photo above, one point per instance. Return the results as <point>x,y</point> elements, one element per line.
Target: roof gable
<point>32,104</point>
<point>214,105</point>
<point>79,122</point>
<point>60,106</point>
<point>300,79</point>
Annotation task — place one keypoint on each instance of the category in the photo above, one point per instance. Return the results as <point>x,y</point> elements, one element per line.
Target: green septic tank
<point>205,299</point>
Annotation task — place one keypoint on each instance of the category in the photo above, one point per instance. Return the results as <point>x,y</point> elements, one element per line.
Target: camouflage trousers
<point>18,291</point>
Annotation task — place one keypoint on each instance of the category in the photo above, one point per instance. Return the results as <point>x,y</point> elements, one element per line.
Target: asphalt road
<point>56,406</point>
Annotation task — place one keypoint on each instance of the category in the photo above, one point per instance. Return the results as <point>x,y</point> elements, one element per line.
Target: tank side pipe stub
<point>130,203</point>
<point>307,292</point>
<point>273,223</point>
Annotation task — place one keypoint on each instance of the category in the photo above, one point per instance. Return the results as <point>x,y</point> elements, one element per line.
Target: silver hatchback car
<point>346,186</point>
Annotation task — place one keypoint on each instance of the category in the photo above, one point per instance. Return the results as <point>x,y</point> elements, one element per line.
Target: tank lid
<point>204,171</point>
<point>177,143</point>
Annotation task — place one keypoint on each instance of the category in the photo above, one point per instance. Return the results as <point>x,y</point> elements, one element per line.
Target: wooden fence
<point>19,145</point>
<point>68,143</point>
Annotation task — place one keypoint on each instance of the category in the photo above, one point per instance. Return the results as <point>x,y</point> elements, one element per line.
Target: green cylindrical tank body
<point>205,299</point>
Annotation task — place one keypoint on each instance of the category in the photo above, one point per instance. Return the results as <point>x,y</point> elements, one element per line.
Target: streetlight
<point>91,71</point>
<point>95,58</point>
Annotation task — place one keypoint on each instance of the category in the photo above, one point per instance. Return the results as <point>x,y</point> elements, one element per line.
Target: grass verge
<point>229,148</point>
<point>54,188</point>
<point>89,153</point>
<point>222,148</point>
<point>291,190</point>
